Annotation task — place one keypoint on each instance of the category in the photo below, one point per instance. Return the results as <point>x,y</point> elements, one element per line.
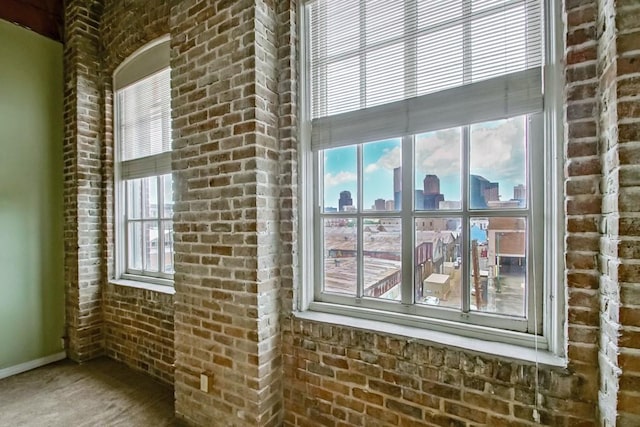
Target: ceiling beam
<point>45,17</point>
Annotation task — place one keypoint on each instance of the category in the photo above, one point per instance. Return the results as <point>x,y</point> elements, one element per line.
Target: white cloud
<point>389,160</point>
<point>498,153</point>
<point>438,153</point>
<point>331,180</point>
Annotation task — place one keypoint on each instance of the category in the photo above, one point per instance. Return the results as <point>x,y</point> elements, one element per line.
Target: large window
<point>144,203</point>
<point>427,139</point>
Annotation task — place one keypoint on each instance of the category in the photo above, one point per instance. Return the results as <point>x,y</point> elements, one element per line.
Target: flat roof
<point>437,278</point>
<point>340,273</point>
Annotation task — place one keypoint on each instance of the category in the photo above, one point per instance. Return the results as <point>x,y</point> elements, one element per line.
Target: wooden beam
<point>43,17</point>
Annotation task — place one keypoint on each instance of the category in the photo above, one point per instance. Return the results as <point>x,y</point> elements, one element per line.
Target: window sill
<point>489,348</point>
<point>163,289</point>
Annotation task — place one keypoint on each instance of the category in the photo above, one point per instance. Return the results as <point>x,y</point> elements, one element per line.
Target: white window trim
<point>551,345</point>
<point>145,61</point>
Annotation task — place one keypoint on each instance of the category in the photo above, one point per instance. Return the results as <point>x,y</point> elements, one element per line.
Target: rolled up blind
<point>395,58</point>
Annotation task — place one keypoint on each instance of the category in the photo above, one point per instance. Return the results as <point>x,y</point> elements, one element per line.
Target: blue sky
<point>497,153</point>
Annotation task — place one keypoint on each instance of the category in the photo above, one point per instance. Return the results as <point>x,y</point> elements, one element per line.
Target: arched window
<point>143,182</point>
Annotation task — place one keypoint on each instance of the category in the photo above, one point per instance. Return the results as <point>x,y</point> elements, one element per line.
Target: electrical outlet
<point>204,383</point>
<point>62,342</point>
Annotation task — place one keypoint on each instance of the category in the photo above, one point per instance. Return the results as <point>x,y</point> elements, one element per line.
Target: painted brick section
<point>336,376</point>
<point>139,329</point>
<point>609,289</point>
<point>623,233</point>
<point>288,132</point>
<point>83,239</point>
<point>226,218</point>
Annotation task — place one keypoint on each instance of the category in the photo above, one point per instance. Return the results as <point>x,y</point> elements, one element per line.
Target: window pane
<point>382,176</point>
<point>438,261</point>
<point>167,227</point>
<point>134,198</point>
<point>498,164</point>
<point>385,20</point>
<point>385,75</point>
<point>382,250</point>
<point>437,170</point>
<point>167,189</point>
<point>340,255</point>
<point>342,90</point>
<point>151,246</point>
<point>150,197</point>
<point>499,262</point>
<point>145,117</point>
<point>432,12</point>
<point>340,179</point>
<point>134,246</point>
<point>440,60</point>
<point>499,44</point>
<point>479,5</point>
<point>341,38</point>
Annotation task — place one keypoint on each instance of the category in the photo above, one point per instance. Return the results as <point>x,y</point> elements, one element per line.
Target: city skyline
<point>483,194</point>
<point>497,153</point>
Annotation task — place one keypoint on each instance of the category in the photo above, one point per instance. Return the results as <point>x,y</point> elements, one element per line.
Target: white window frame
<point>550,291</point>
<point>144,62</point>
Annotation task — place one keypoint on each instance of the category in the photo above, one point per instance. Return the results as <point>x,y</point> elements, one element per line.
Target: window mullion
<point>143,248</point>
<point>363,53</point>
<point>160,198</point>
<point>466,42</point>
<point>318,229</point>
<point>465,292</point>
<point>410,47</point>
<point>407,291</point>
<point>360,225</point>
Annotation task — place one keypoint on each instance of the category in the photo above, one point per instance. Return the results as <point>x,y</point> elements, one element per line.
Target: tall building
<point>379,205</point>
<point>389,205</point>
<point>345,200</point>
<point>419,200</point>
<point>431,184</point>
<point>431,195</point>
<point>397,188</point>
<point>519,192</point>
<point>482,191</point>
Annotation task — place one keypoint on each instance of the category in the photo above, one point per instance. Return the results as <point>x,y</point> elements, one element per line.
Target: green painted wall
<point>31,209</point>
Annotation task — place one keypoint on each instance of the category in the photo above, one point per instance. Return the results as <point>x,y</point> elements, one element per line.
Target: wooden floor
<point>101,392</point>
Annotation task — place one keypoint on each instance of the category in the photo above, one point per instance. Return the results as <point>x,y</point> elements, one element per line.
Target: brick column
<point>83,179</point>
<point>621,229</point>
<point>609,288</point>
<point>288,134</point>
<point>227,280</point>
<point>583,197</point>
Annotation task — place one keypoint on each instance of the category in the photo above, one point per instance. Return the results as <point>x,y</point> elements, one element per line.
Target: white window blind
<point>381,68</point>
<point>145,117</point>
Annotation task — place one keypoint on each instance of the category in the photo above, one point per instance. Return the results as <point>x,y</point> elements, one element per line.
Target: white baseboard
<point>32,364</point>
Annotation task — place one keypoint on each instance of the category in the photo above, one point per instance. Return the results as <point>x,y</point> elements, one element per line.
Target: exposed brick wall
<point>340,376</point>
<point>139,329</point>
<point>138,323</point>
<point>288,132</point>
<point>226,221</point>
<point>82,180</point>
<point>235,138</point>
<point>129,324</point>
<point>583,195</point>
<point>336,376</point>
<point>609,289</point>
<point>621,254</point>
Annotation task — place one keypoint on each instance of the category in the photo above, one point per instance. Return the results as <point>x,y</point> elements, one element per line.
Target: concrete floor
<point>101,392</point>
